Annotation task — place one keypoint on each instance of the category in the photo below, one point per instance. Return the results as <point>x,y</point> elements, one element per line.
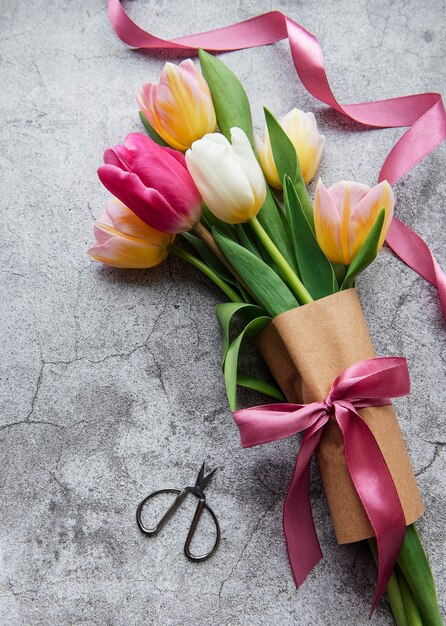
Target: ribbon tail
<point>304,551</point>
<point>376,490</point>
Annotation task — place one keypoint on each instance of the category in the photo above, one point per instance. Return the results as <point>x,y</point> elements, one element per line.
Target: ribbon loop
<point>367,383</point>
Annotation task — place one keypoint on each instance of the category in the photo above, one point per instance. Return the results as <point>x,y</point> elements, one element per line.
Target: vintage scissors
<point>197,490</point>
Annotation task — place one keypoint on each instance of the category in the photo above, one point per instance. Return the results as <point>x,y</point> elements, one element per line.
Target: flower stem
<point>287,272</point>
<point>415,567</point>
<point>206,236</point>
<point>230,293</point>
<point>411,607</point>
<point>393,593</point>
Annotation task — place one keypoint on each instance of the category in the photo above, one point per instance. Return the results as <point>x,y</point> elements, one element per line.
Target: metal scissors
<point>197,490</point>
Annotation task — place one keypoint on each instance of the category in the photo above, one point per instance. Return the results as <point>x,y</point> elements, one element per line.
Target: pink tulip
<point>123,240</point>
<point>153,182</point>
<point>344,215</point>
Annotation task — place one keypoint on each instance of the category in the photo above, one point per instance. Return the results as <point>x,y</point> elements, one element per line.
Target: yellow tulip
<point>124,240</point>
<point>345,213</point>
<point>180,107</point>
<point>301,129</point>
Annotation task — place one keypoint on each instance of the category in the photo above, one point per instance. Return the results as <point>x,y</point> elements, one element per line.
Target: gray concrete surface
<point>110,381</point>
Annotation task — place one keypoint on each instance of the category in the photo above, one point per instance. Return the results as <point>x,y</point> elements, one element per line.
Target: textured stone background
<point>110,379</point>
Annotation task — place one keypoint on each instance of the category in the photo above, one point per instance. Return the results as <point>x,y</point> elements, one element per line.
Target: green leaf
<point>152,132</point>
<point>366,254</point>
<point>340,271</point>
<point>315,269</point>
<point>230,100</point>
<point>304,198</point>
<point>231,362</point>
<point>260,385</point>
<point>209,258</point>
<point>284,153</point>
<point>226,311</point>
<point>269,290</point>
<point>246,241</point>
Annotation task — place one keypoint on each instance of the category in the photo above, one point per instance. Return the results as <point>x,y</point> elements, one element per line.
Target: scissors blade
<point>202,480</point>
<point>200,477</point>
<point>207,479</point>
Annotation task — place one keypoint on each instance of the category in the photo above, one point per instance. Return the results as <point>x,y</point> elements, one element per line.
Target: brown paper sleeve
<point>305,349</point>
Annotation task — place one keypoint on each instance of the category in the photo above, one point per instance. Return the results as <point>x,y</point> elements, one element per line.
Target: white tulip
<point>227,175</point>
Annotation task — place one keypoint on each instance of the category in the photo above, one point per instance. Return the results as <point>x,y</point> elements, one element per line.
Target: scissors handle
<point>193,527</point>
<point>181,494</point>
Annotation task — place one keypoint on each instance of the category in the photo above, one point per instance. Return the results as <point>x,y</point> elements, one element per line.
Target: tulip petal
<point>314,159</point>
<point>119,217</point>
<point>346,195</point>
<point>327,223</point>
<point>147,203</point>
<point>114,156</point>
<point>138,141</point>
<point>101,235</point>
<point>245,156</point>
<point>338,193</point>
<point>122,252</point>
<point>366,213</point>
<point>265,153</point>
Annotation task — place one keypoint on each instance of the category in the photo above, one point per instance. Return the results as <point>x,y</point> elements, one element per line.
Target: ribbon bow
<point>368,383</point>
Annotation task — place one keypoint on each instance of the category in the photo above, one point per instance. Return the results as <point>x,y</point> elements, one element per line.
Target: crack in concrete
<point>435,456</point>
<point>124,355</point>
<point>36,391</point>
<point>254,531</point>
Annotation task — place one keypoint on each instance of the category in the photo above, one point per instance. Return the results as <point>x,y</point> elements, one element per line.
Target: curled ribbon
<point>423,113</point>
<point>368,383</point>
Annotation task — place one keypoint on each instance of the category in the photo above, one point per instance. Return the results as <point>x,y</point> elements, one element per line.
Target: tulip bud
<point>345,213</point>
<point>123,240</point>
<point>180,107</point>
<point>228,176</point>
<point>153,182</point>
<point>301,129</point>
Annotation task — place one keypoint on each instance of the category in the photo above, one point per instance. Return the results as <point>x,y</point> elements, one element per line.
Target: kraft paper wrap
<point>305,349</point>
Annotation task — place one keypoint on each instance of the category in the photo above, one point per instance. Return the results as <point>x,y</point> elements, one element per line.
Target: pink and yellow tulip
<point>153,182</point>
<point>123,240</point>
<point>301,129</point>
<point>180,107</point>
<point>344,215</point>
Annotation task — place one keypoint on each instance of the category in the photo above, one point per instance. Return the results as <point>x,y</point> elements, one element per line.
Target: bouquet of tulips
<point>236,207</point>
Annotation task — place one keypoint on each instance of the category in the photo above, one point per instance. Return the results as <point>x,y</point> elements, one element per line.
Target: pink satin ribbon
<point>368,383</point>
<point>423,113</point>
